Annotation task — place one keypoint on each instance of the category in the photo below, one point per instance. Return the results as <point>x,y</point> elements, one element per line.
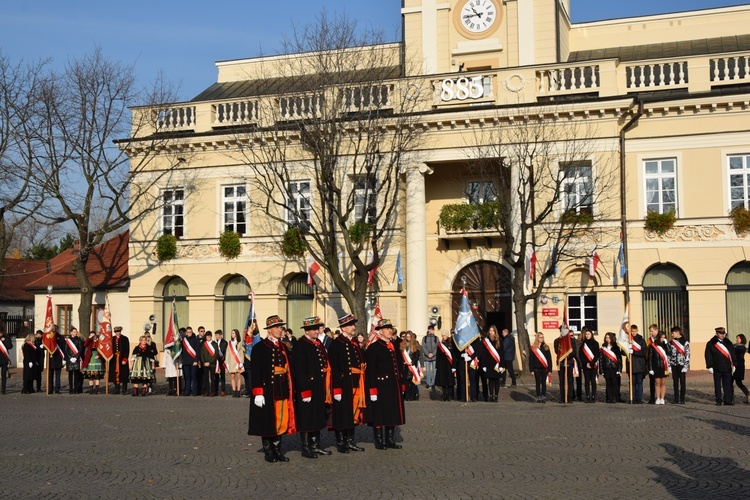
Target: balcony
<point>470,222</point>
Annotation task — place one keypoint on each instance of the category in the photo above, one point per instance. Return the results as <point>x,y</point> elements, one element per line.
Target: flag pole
<point>466,381</point>
<point>177,379</point>
<point>565,378</point>
<point>49,372</point>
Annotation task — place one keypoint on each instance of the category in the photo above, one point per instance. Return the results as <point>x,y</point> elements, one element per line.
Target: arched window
<point>176,290</point>
<point>299,301</point>
<point>488,285</point>
<point>738,299</point>
<point>236,304</point>
<point>665,298</point>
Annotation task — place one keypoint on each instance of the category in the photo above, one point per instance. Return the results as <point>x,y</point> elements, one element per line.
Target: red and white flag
<point>371,275</point>
<point>48,338</point>
<point>532,265</point>
<point>104,340</point>
<point>593,263</point>
<point>376,316</point>
<point>312,268</point>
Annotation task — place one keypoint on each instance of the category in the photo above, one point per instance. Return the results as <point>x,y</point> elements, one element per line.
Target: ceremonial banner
<point>48,339</point>
<point>466,326</point>
<point>564,346</point>
<point>104,340</point>
<point>172,342</point>
<point>250,318</point>
<point>376,316</point>
<point>623,336</point>
<point>312,268</point>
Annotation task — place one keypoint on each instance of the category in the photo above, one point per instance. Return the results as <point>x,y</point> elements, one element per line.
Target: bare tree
<point>84,167</point>
<point>556,198</point>
<point>328,156</point>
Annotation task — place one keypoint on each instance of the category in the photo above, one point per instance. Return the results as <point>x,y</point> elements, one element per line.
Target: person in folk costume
<point>588,353</point>
<point>272,408</point>
<point>29,351</point>
<point>491,363</point>
<point>679,362</point>
<point>209,359</point>
<point>610,366</point>
<point>189,360</point>
<point>411,369</point>
<point>252,338</point>
<point>119,362</point>
<point>73,349</point>
<point>220,382</point>
<point>312,387</point>
<point>638,359</point>
<point>203,377</point>
<point>721,361</point>
<point>93,365</point>
<point>347,385</point>
<point>540,364</point>
<point>658,365</point>
<point>445,366</point>
<point>235,362</point>
<point>142,364</point>
<point>385,407</point>
<point>6,344</point>
<point>739,373</point>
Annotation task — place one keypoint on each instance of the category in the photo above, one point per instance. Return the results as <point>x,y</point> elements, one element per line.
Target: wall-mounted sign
<point>550,325</point>
<point>465,88</point>
<point>550,312</point>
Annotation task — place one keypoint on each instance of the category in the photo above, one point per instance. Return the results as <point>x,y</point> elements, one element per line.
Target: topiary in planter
<point>660,223</point>
<point>293,243</point>
<point>740,220</point>
<point>229,245</point>
<point>166,247</point>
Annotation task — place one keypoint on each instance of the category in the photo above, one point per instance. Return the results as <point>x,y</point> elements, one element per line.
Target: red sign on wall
<point>550,312</point>
<point>550,325</point>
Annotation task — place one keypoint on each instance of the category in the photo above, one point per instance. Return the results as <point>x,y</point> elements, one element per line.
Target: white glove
<point>373,398</point>
<point>711,371</point>
<point>31,365</point>
<point>618,373</point>
<point>684,369</point>
<point>466,357</point>
<point>502,370</point>
<point>337,397</point>
<point>73,360</point>
<point>259,401</point>
<point>307,400</point>
<point>64,362</point>
<point>651,372</point>
<point>630,351</point>
<point>453,370</point>
<point>733,368</point>
<point>484,368</point>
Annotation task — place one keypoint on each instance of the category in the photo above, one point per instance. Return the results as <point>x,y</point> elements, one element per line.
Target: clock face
<point>477,16</point>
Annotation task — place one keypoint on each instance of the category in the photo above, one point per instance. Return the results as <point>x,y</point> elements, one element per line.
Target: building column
<point>416,249</point>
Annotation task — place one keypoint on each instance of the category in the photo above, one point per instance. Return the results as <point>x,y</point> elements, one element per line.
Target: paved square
<point>89,446</point>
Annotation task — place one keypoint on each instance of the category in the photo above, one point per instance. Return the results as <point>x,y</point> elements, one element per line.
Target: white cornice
<point>663,17</point>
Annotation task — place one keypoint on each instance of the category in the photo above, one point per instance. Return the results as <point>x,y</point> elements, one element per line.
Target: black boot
<point>96,389</point>
<point>277,450</point>
<point>341,444</point>
<point>305,439</point>
<point>117,389</point>
<point>124,389</point>
<point>135,392</point>
<point>350,444</point>
<point>378,438</point>
<point>268,450</point>
<point>91,389</point>
<point>315,444</point>
<point>390,441</point>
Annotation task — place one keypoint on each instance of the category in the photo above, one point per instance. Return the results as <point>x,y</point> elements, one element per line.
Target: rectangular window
<point>364,199</point>
<point>173,210</point>
<point>235,203</point>
<point>65,319</point>
<point>582,312</point>
<point>739,181</point>
<point>578,188</point>
<point>479,192</point>
<point>661,185</point>
<point>298,204</point>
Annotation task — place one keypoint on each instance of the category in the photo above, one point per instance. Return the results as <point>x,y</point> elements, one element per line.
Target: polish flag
<point>312,268</point>
<point>532,265</point>
<point>593,263</point>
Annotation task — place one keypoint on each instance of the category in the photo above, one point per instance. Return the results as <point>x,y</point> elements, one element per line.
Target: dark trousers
<point>723,381</point>
<point>589,376</point>
<point>613,388</point>
<point>221,379</point>
<point>579,384</point>
<point>540,377</point>
<point>215,378</point>
<point>473,384</point>
<point>509,369</point>
<point>739,383</point>
<point>191,379</point>
<point>53,379</point>
<point>3,377</point>
<point>246,375</point>
<point>652,388</point>
<point>209,380</point>
<point>37,377</point>
<point>638,387</point>
<point>461,381</point>
<point>485,386</point>
<point>200,380</point>
<point>28,380</point>
<point>678,378</point>
<point>561,374</point>
<point>75,381</point>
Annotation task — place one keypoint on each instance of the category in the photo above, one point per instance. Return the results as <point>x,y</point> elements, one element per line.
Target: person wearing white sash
<point>73,350</point>
<point>610,365</point>
<point>445,366</point>
<point>589,356</point>
<point>679,361</point>
<point>209,357</point>
<point>235,362</point>
<point>540,363</point>
<point>658,366</point>
<point>720,361</point>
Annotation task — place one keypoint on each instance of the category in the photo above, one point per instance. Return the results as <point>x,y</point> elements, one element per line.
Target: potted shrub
<point>359,231</point>
<point>488,215</point>
<point>660,223</point>
<point>457,217</point>
<point>166,247</point>
<point>293,243</point>
<point>571,218</point>
<point>740,219</point>
<point>229,245</point>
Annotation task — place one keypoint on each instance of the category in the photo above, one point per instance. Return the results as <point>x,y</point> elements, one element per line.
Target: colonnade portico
<point>416,248</point>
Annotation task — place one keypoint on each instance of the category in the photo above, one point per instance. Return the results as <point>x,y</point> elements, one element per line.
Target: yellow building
<point>651,113</point>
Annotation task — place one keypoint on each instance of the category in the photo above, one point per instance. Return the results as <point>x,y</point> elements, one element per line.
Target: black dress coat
<point>309,364</point>
<point>638,358</point>
<point>739,364</point>
<point>383,378</point>
<point>593,346</point>
<point>121,346</point>
<point>73,354</point>
<point>444,374</point>
<point>656,362</point>
<point>535,364</point>
<point>266,356</point>
<point>715,359</point>
<point>609,368</point>
<point>487,362</point>
<point>343,355</point>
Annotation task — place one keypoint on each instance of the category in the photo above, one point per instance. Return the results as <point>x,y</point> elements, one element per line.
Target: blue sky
<point>184,38</point>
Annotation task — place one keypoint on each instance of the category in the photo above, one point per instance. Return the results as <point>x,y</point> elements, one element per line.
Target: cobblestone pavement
<point>88,446</point>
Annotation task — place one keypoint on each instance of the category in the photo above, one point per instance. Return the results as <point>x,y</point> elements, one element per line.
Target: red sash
<point>663,355</point>
<point>446,351</point>
<point>541,358</point>
<point>588,353</point>
<point>723,350</point>
<point>72,347</point>
<point>189,348</point>
<point>610,354</point>
<point>5,352</point>
<point>210,348</point>
<point>493,353</point>
<point>235,354</point>
<point>680,348</point>
<point>635,346</point>
<point>412,368</point>
<point>474,361</point>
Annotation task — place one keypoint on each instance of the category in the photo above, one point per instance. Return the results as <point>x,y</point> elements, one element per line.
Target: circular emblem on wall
<point>543,299</point>
<point>515,83</point>
<point>555,299</point>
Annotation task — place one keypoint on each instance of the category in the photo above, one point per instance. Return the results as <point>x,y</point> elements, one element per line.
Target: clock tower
<point>444,36</point>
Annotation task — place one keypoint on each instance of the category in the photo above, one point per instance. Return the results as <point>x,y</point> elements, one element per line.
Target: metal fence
<point>18,325</point>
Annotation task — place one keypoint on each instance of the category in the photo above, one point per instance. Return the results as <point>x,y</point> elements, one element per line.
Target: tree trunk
<point>519,302</point>
<point>87,296</point>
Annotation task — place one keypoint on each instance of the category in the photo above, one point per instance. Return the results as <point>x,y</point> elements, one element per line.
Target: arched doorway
<point>236,304</point>
<point>489,287</point>
<point>299,301</point>
<point>175,290</point>
<point>665,298</point>
<point>738,299</point>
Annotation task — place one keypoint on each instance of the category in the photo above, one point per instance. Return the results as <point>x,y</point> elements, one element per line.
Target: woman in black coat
<point>610,365</point>
<point>29,351</point>
<point>658,365</point>
<point>589,356</point>
<point>445,366</point>
<point>739,368</point>
<point>540,364</point>
<point>491,363</point>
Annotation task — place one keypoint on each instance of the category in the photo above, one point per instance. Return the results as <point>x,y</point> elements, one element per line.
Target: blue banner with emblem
<point>466,326</point>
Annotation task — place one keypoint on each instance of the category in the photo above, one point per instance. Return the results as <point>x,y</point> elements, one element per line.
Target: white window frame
<point>234,200</point>
<point>360,205</point>
<point>592,310</point>
<point>660,176</point>
<point>170,228</point>
<point>481,193</point>
<point>744,170</point>
<point>578,182</point>
<point>291,217</point>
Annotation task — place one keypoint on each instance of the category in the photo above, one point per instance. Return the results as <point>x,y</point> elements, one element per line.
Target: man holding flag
<point>466,338</point>
<point>564,349</point>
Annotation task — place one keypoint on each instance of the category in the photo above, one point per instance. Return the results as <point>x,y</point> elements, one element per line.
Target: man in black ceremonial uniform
<point>720,361</point>
<point>312,387</point>
<point>385,405</point>
<point>119,369</point>
<point>348,385</point>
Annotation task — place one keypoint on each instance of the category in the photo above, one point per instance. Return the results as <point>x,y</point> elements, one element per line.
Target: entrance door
<point>488,285</point>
